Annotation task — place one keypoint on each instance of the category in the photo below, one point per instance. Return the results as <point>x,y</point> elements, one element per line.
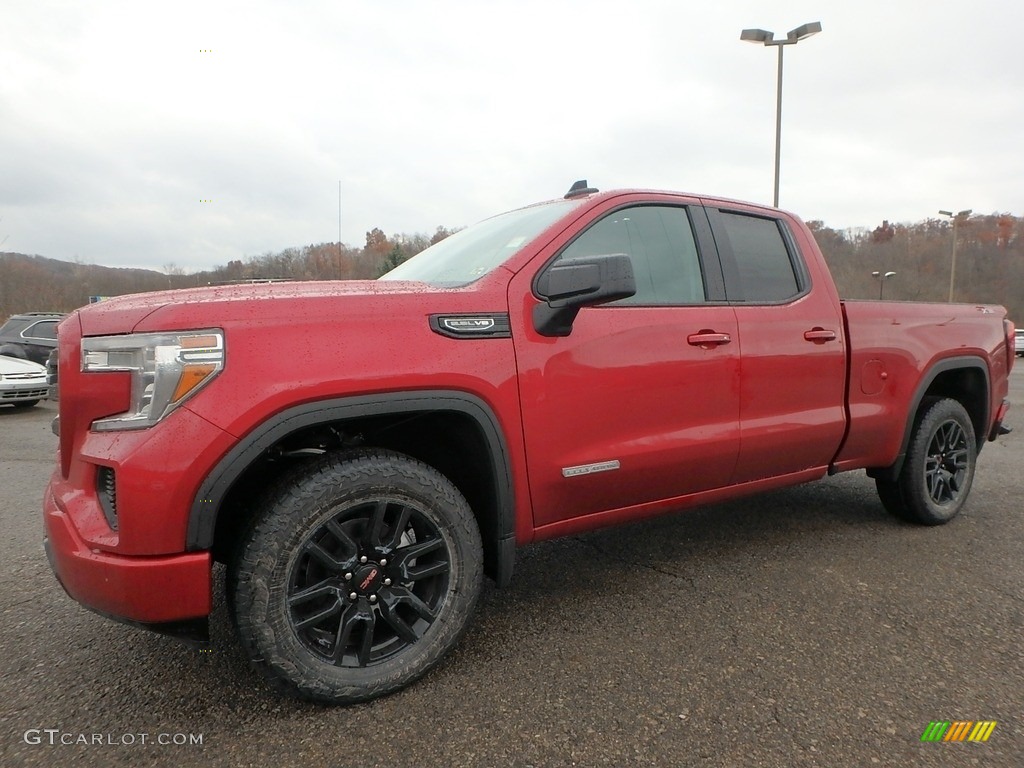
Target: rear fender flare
<point>941,367</point>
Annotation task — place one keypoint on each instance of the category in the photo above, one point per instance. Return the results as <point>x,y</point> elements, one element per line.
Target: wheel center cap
<point>367,579</point>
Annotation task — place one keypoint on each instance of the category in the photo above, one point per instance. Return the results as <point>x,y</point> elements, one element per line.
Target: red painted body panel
<point>791,406</point>
<point>686,424</point>
<point>792,413</point>
<point>147,589</point>
<point>639,512</point>
<point>626,386</point>
<point>158,470</point>
<point>893,345</point>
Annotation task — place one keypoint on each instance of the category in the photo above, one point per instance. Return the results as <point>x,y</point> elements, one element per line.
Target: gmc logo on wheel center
<point>369,579</point>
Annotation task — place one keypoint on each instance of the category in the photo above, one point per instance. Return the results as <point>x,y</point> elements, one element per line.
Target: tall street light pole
<point>960,216</point>
<point>882,277</point>
<point>793,37</point>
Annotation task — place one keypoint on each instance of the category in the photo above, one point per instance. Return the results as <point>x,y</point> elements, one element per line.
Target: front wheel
<point>356,578</point>
<point>939,467</point>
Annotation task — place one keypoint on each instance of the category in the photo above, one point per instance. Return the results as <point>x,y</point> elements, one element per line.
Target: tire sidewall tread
<point>908,496</point>
<point>299,504</point>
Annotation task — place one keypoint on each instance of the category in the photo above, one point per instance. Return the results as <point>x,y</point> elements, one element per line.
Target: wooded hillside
<point>37,283</point>
<point>989,260</point>
<point>990,265</point>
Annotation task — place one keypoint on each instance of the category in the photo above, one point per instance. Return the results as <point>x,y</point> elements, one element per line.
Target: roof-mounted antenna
<point>580,188</point>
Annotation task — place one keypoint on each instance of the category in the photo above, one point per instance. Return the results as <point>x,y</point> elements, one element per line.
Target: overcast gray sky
<point>118,118</point>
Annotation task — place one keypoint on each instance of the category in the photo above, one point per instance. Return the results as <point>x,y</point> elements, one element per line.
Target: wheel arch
<point>964,379</point>
<point>455,432</point>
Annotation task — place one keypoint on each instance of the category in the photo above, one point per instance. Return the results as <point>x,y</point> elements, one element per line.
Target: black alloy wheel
<point>947,463</point>
<point>369,582</point>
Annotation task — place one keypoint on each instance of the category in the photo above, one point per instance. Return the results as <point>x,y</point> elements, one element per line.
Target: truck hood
<point>15,366</point>
<point>209,306</point>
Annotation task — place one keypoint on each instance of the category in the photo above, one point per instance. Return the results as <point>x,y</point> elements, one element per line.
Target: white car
<point>22,382</point>
<point>1019,341</point>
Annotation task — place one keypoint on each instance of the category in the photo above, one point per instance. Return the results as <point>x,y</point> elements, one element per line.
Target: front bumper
<point>23,391</point>
<point>138,589</point>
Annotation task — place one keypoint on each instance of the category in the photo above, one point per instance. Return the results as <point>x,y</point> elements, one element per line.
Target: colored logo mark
<point>959,730</point>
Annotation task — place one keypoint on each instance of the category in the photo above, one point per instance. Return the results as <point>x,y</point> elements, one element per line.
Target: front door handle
<point>819,335</point>
<point>708,339</point>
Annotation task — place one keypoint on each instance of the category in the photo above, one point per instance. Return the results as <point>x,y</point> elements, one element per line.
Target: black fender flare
<point>212,491</point>
<point>942,366</point>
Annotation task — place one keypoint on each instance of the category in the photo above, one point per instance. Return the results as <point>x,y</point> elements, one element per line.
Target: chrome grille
<point>23,394</point>
<point>22,376</point>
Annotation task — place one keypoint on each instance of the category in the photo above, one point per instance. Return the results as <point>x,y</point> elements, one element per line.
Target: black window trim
<point>730,268</point>
<point>707,254</point>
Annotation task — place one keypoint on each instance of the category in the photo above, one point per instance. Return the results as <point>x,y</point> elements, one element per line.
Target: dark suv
<point>30,335</point>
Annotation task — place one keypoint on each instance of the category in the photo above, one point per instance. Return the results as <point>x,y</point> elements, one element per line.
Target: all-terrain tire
<point>937,473</point>
<point>358,574</point>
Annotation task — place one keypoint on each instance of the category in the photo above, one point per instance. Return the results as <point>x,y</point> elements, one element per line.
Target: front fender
<point>499,533</point>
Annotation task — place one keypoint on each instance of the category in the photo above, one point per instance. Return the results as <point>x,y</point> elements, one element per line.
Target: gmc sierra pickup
<point>360,454</point>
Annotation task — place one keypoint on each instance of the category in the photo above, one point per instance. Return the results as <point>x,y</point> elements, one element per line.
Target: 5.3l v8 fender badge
<point>476,325</point>
<point>468,324</point>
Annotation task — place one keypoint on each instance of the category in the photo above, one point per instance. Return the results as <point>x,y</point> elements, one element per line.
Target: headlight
<point>166,369</point>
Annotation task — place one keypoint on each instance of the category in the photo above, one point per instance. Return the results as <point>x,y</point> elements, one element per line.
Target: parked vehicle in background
<point>22,382</point>
<point>361,453</point>
<point>1019,341</point>
<point>30,335</point>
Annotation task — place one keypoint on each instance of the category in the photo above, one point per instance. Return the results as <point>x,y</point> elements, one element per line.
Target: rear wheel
<point>358,575</point>
<point>939,467</point>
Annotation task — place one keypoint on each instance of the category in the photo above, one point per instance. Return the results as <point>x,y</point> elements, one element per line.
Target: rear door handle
<point>708,339</point>
<point>819,335</point>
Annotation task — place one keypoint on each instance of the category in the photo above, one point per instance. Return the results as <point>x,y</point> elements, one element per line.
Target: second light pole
<point>882,277</point>
<point>957,218</point>
<point>793,37</point>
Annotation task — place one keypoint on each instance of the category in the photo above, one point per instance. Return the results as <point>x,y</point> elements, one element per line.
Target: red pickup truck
<point>360,454</point>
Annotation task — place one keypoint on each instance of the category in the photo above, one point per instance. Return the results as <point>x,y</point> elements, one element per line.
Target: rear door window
<point>765,269</point>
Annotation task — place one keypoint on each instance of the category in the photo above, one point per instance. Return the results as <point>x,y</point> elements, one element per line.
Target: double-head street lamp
<point>793,37</point>
<point>957,218</point>
<point>882,277</point>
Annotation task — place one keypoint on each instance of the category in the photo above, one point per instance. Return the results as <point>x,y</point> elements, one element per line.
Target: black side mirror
<point>572,284</point>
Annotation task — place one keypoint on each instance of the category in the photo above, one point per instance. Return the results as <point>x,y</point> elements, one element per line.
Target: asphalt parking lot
<point>801,628</point>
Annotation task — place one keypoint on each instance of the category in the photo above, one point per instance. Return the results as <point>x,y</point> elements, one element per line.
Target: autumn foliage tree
<point>990,265</point>
<point>989,268</point>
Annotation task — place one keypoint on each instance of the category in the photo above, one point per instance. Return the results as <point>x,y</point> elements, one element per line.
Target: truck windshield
<point>472,253</point>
